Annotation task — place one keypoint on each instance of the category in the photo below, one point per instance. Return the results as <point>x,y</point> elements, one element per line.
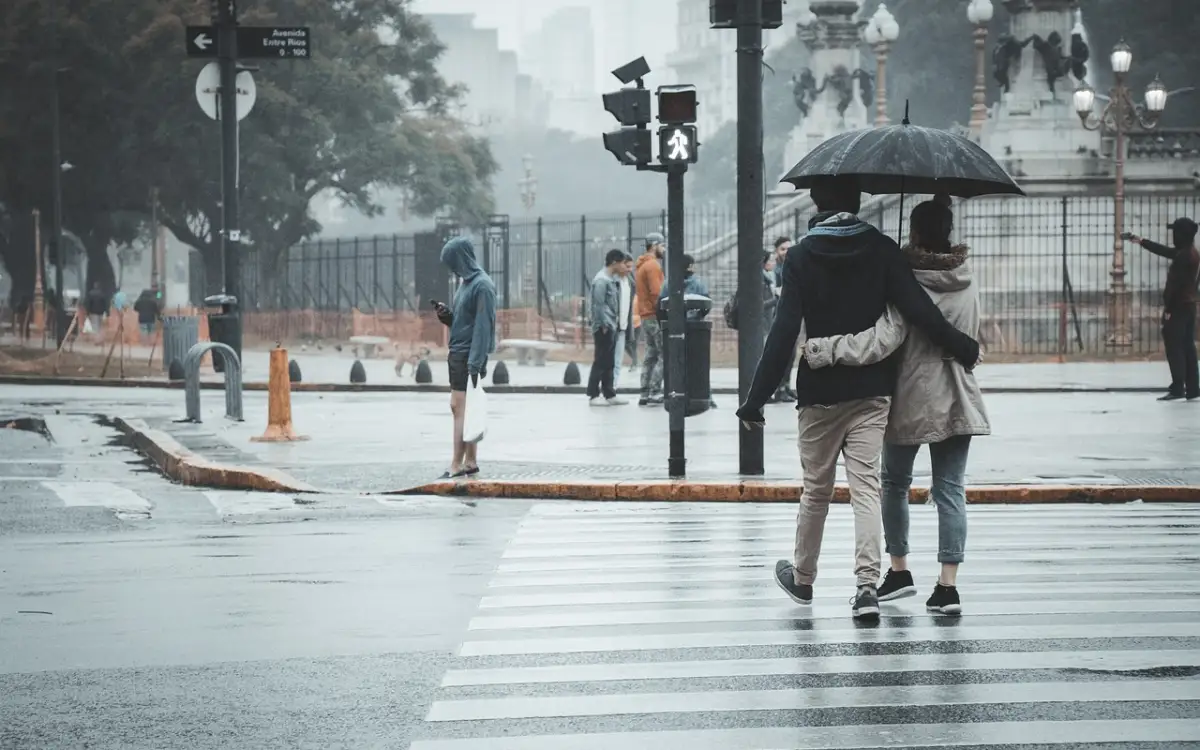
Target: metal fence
<point>1042,266</point>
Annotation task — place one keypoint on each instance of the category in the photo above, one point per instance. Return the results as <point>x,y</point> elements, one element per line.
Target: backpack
<point>731,312</point>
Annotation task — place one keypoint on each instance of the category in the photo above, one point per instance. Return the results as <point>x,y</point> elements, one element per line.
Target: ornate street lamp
<point>881,31</point>
<point>528,184</point>
<point>1120,116</point>
<point>980,13</point>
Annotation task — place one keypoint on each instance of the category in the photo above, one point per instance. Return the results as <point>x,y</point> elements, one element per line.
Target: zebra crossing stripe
<point>123,501</point>
<point>861,737</point>
<point>811,698</point>
<point>1100,661</point>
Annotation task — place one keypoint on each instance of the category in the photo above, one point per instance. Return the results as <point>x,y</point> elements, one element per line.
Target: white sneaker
<point>617,401</point>
<point>598,402</point>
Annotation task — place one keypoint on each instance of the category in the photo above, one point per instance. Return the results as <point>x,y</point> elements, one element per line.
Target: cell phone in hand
<point>435,303</point>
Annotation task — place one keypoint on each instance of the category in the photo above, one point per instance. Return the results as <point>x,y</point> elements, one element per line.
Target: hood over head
<point>940,272</point>
<point>835,240</point>
<point>459,256</point>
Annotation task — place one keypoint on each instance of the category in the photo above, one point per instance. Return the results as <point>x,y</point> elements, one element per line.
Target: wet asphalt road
<point>138,614</point>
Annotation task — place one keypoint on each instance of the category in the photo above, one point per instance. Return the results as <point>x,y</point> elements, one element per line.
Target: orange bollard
<point>279,402</point>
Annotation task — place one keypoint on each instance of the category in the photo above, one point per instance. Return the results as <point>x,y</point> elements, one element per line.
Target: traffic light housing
<point>630,106</point>
<point>677,144</point>
<point>723,14</point>
<point>631,146</point>
<point>632,143</point>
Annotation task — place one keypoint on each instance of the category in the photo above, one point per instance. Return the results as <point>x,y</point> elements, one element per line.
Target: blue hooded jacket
<point>473,329</point>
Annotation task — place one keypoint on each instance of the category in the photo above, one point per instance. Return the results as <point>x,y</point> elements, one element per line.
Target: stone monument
<point>1033,129</point>
<point>834,93</point>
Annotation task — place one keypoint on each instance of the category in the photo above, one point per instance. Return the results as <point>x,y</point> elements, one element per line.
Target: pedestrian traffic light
<point>631,107</point>
<point>677,105</point>
<point>677,144</point>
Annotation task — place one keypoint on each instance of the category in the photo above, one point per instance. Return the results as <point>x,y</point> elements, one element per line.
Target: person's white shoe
<point>598,402</point>
<point>617,401</point>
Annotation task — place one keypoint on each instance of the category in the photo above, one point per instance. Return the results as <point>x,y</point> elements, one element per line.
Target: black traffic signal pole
<point>676,322</point>
<point>749,218</point>
<point>226,23</point>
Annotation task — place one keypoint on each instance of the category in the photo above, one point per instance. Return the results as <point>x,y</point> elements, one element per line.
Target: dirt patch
<point>86,361</point>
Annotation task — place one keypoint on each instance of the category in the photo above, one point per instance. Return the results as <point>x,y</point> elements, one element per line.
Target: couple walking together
<point>888,357</point>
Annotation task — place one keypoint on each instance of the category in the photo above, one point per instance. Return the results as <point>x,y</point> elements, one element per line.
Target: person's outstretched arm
<point>859,349</point>
<point>905,292</point>
<point>1160,250</point>
<point>781,342</point>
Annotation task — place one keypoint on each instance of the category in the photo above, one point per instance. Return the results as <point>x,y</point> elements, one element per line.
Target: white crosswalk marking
<point>658,627</point>
<point>234,503</point>
<point>123,501</point>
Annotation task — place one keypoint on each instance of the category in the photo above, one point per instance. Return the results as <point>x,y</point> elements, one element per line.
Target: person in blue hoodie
<point>472,324</point>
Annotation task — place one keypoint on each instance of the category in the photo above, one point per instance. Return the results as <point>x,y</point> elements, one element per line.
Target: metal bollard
<point>233,379</point>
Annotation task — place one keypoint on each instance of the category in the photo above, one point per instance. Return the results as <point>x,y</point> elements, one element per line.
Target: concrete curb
<point>185,467</point>
<point>496,389</point>
<point>756,491</point>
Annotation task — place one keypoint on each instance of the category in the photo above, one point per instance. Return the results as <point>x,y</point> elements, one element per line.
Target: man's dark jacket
<point>839,279</point>
<point>1179,294</point>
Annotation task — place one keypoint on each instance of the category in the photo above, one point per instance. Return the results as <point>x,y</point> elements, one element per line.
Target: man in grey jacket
<point>606,306</point>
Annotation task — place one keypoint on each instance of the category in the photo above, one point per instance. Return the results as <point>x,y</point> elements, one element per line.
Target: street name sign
<point>280,42</point>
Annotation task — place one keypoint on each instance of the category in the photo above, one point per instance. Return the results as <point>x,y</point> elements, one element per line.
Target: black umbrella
<point>903,159</point>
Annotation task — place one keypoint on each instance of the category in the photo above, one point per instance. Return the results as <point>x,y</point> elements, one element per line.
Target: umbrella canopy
<point>906,159</point>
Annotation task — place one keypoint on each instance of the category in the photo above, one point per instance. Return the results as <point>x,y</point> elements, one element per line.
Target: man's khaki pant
<point>855,430</point>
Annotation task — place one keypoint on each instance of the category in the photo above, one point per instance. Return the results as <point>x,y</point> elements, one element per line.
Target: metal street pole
<point>881,111</point>
<point>749,218</point>
<point>60,316</point>
<point>1118,325</point>
<point>230,233</point>
<point>676,322</point>
<point>979,112</point>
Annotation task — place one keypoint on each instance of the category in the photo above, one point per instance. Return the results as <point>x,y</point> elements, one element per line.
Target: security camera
<point>632,71</point>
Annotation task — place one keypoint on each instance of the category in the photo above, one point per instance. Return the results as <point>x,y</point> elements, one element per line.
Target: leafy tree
<point>368,111</point>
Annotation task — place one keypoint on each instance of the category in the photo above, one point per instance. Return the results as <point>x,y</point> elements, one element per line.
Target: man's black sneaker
<point>865,604</point>
<point>1171,397</point>
<point>1193,396</point>
<point>897,584</point>
<point>650,401</point>
<point>786,578</point>
<point>944,600</point>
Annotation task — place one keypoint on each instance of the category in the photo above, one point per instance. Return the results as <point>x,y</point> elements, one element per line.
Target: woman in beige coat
<point>936,403</point>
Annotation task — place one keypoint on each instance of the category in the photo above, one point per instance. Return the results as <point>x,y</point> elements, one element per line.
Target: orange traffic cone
<point>279,402</point>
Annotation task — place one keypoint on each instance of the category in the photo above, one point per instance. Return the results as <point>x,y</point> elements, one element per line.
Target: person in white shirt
<point>624,315</point>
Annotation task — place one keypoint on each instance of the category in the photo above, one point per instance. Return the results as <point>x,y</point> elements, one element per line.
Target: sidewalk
<point>368,442</point>
<point>332,369</point>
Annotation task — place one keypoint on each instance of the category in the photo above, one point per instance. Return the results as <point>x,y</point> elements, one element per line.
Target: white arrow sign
<point>202,41</point>
<point>679,146</point>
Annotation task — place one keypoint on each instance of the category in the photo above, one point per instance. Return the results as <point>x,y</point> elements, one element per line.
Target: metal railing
<point>1042,265</point>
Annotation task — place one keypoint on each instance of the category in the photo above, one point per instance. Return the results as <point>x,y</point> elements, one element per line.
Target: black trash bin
<point>224,327</point>
<point>697,352</point>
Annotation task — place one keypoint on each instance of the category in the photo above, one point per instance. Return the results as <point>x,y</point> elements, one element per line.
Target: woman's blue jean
<point>949,492</point>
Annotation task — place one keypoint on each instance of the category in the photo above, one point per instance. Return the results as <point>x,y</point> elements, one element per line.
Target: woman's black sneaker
<point>897,584</point>
<point>944,600</point>
<point>786,578</point>
<point>865,604</point>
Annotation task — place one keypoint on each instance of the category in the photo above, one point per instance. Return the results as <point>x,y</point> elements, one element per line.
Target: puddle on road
<point>35,425</point>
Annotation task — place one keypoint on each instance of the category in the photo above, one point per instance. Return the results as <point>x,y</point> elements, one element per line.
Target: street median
<point>181,465</point>
<point>757,491</point>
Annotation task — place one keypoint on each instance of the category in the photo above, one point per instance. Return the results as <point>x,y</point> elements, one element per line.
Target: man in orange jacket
<point>649,279</point>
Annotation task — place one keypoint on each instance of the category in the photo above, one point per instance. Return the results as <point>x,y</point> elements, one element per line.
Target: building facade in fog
<point>498,97</point>
<point>707,58</point>
<point>561,56</point>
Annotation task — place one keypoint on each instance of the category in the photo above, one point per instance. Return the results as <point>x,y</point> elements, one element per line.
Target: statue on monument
<point>1007,51</point>
<point>805,91</point>
<point>866,86</point>
<point>843,83</point>
<point>1056,63</point>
